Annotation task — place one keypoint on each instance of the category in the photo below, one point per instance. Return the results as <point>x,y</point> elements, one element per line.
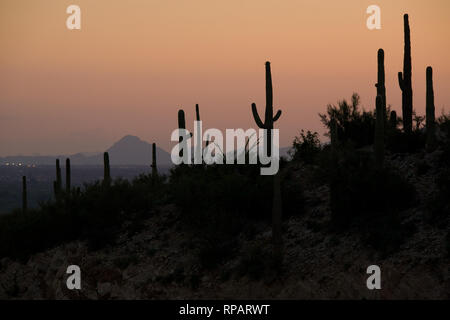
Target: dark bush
<point>439,204</point>
<point>358,189</point>
<point>354,126</point>
<point>306,147</point>
<point>218,202</point>
<point>94,214</point>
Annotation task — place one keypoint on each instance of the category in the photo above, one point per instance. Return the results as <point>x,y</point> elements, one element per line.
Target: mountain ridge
<point>129,150</point>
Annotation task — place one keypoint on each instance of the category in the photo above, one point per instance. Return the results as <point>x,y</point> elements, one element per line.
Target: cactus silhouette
<point>404,80</point>
<point>55,189</point>
<point>68,178</point>
<point>430,109</point>
<point>381,86</point>
<point>379,133</point>
<point>154,168</point>
<point>106,169</point>
<point>198,143</point>
<point>269,118</point>
<point>181,122</point>
<point>58,183</point>
<point>24,194</point>
<point>393,120</point>
<point>181,126</point>
<point>197,113</point>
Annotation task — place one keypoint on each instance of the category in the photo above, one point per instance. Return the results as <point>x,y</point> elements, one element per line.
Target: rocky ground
<point>159,262</point>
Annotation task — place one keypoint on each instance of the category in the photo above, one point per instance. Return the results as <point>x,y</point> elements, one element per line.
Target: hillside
<point>159,258</point>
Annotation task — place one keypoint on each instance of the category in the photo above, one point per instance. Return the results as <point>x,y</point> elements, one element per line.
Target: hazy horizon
<point>134,63</point>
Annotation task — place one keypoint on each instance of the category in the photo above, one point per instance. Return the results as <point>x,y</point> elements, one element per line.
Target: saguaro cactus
<point>154,168</point>
<point>197,113</point>
<point>269,118</point>
<point>58,184</point>
<point>430,109</point>
<point>24,194</point>
<point>198,143</point>
<point>393,120</point>
<point>181,127</point>
<point>55,189</point>
<point>404,80</point>
<point>381,86</point>
<point>68,178</point>
<point>106,169</point>
<point>379,133</point>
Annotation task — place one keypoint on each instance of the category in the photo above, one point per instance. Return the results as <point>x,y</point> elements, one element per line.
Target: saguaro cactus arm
<point>277,116</point>
<point>258,120</point>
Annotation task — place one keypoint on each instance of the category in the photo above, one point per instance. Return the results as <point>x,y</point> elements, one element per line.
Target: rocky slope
<point>160,261</point>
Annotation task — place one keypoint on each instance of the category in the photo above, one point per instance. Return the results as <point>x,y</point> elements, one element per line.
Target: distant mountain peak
<point>130,138</point>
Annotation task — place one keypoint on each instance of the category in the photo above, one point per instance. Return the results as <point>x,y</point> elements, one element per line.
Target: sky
<point>134,63</point>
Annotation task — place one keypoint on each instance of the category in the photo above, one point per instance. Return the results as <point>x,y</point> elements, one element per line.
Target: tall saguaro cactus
<point>197,112</point>
<point>24,194</point>
<point>154,168</point>
<point>393,120</point>
<point>430,109</point>
<point>58,183</point>
<point>379,133</point>
<point>269,118</point>
<point>68,178</point>
<point>198,143</point>
<point>181,128</point>
<point>106,169</point>
<point>381,86</point>
<point>404,80</point>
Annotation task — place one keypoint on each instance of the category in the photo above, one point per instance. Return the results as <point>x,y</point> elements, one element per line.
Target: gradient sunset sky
<point>134,63</point>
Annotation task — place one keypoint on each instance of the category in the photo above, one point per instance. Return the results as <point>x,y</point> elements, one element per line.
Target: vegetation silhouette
<point>220,203</point>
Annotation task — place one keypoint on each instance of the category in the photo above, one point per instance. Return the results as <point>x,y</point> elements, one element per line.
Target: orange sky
<point>135,62</point>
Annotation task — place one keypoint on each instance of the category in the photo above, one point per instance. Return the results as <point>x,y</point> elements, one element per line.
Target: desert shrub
<point>217,202</point>
<point>439,204</point>
<point>94,214</point>
<point>358,189</point>
<point>306,147</point>
<point>444,124</point>
<point>257,262</point>
<point>385,233</point>
<point>370,200</point>
<point>236,189</point>
<point>354,126</point>
<point>444,127</point>
<point>399,142</point>
<point>217,235</point>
